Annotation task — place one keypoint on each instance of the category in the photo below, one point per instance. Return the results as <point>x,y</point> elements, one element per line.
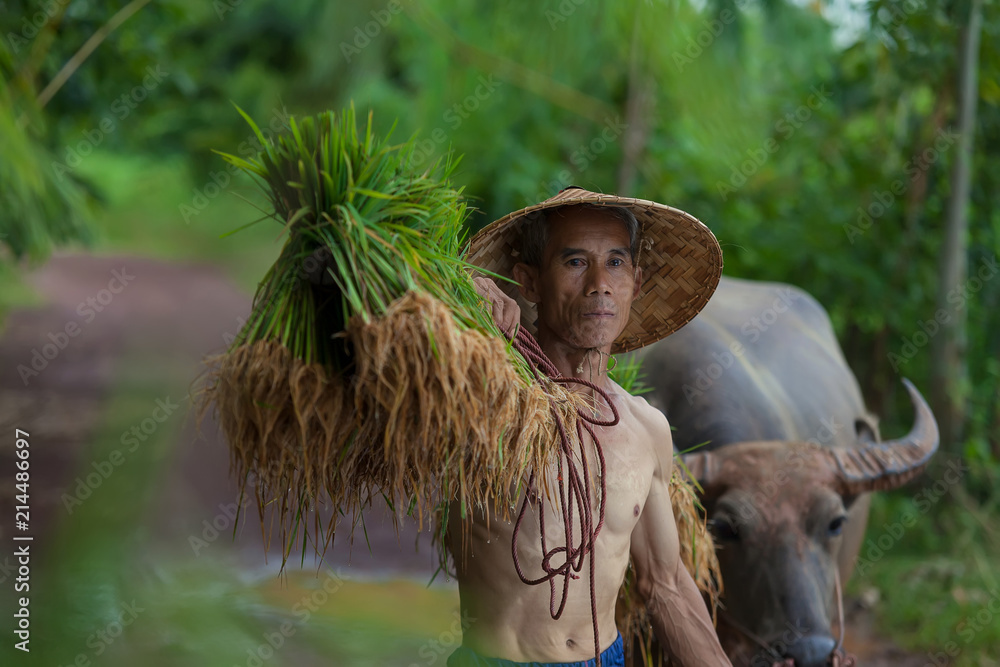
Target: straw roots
<point>427,414</point>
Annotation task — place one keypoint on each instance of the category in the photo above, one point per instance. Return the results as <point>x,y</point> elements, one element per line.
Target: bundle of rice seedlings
<point>697,549</point>
<point>369,365</point>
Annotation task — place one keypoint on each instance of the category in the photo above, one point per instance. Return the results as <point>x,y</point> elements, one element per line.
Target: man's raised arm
<point>678,614</point>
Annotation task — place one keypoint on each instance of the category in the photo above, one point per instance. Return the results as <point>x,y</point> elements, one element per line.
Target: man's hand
<point>506,312</point>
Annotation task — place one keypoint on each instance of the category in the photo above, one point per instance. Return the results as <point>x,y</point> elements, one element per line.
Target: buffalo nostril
<point>811,651</point>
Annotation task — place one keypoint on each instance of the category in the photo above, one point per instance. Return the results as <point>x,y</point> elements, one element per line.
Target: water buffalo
<point>790,459</point>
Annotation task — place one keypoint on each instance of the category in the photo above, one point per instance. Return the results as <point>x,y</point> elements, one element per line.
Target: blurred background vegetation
<point>851,148</point>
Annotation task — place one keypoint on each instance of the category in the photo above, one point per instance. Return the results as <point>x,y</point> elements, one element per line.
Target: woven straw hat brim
<point>680,258</point>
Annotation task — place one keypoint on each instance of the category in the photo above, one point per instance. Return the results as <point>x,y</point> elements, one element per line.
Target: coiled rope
<point>574,491</point>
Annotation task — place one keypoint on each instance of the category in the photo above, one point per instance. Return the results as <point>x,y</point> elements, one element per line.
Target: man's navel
<point>635,511</point>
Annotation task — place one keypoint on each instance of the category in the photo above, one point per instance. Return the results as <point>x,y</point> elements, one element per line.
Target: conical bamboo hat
<point>680,258</point>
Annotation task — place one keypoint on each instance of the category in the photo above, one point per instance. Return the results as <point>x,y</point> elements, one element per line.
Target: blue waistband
<point>613,656</point>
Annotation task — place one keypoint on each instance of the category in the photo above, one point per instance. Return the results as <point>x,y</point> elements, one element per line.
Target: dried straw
<point>429,414</point>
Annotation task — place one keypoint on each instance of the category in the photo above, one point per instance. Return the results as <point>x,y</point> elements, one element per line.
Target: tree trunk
<point>948,363</point>
<point>637,115</point>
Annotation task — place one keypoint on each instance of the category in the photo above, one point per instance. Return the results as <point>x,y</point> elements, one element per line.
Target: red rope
<point>576,495</point>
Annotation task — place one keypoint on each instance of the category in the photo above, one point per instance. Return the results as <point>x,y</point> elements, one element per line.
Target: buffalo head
<point>780,513</point>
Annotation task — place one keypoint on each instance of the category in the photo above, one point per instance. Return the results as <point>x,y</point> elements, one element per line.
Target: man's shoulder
<point>642,411</point>
<point>651,429</point>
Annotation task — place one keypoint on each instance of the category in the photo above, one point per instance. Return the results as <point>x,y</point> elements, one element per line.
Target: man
<point>600,285</point>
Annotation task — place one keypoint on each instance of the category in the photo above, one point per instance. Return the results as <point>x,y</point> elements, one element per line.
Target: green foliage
<point>936,576</point>
<point>40,205</point>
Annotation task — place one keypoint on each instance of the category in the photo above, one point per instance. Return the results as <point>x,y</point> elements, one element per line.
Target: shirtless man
<point>579,269</point>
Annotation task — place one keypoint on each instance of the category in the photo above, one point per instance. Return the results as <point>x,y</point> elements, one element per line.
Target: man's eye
<point>616,262</point>
<point>575,262</point>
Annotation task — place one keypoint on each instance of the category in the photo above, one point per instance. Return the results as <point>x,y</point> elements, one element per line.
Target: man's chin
<point>595,340</point>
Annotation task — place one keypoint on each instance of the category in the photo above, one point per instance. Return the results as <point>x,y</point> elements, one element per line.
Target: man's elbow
<point>656,588</point>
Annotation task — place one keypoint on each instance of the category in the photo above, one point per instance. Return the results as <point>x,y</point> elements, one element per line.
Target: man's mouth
<point>599,314</point>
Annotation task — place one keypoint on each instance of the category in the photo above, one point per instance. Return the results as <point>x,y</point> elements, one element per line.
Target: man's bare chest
<point>619,464</point>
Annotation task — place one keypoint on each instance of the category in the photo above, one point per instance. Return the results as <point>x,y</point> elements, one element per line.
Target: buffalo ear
<point>866,428</point>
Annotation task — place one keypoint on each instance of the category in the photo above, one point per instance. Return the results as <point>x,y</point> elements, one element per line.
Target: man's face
<point>586,282</point>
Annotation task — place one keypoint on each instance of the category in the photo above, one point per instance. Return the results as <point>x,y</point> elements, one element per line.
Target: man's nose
<point>598,280</point>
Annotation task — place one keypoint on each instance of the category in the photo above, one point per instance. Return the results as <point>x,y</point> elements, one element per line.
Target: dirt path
<point>175,314</point>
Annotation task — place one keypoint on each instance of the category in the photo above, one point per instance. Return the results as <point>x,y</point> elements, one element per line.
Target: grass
<point>198,612</point>
<point>937,578</point>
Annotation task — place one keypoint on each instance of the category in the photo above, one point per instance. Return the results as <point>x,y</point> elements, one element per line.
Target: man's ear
<point>527,276</point>
<point>638,282</point>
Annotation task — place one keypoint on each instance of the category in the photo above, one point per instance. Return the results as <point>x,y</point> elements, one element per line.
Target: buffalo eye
<point>836,526</point>
<point>723,530</point>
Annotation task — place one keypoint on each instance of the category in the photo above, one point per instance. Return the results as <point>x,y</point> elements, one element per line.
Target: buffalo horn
<point>880,466</point>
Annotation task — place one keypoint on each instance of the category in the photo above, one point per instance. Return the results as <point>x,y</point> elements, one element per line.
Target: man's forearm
<point>682,624</point>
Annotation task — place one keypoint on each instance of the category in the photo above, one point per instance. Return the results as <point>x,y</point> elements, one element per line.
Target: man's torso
<point>513,619</point>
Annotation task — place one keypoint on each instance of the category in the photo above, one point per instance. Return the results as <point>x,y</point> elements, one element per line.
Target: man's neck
<point>589,364</point>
